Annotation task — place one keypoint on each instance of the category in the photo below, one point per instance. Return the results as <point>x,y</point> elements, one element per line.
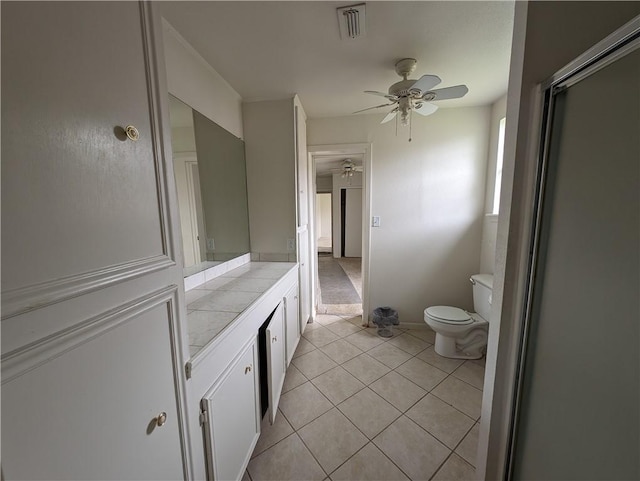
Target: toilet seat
<point>449,315</point>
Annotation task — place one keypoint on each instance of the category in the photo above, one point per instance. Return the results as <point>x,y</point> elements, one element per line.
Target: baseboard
<point>414,325</point>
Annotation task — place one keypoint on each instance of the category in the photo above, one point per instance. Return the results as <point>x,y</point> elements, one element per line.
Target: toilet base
<point>446,347</point>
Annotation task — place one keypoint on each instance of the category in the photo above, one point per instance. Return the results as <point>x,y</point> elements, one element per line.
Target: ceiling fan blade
<point>370,108</point>
<point>381,94</point>
<point>390,116</point>
<point>426,82</point>
<point>425,108</point>
<point>449,93</point>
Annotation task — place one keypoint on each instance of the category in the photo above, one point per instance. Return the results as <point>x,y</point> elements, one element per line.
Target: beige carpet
<point>352,269</point>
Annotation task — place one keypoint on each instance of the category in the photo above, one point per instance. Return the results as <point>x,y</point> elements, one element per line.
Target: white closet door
<point>91,303</point>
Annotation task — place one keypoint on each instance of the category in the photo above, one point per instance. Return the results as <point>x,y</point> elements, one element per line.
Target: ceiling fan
<point>349,167</point>
<point>414,95</point>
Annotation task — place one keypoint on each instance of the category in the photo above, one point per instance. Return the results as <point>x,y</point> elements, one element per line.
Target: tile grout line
<point>367,385</point>
<point>430,391</point>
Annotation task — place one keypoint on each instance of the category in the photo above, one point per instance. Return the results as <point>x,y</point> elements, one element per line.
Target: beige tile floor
<point>356,406</point>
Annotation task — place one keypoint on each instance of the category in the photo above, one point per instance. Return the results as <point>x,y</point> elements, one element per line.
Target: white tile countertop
<point>213,306</point>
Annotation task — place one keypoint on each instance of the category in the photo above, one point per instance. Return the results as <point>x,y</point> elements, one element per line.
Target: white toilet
<point>460,334</point>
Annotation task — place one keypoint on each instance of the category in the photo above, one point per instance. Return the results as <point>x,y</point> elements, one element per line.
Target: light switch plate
<point>375,221</point>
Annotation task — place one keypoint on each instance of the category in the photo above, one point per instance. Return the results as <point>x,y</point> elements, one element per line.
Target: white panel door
<point>353,223</point>
<point>92,301</point>
<point>233,421</point>
<point>91,412</point>
<point>73,77</point>
<point>276,359</point>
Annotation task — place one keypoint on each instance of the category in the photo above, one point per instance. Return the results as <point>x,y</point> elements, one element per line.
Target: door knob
<point>161,419</point>
<point>132,132</point>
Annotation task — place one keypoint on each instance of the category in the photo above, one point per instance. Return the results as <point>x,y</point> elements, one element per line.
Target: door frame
<point>364,149</point>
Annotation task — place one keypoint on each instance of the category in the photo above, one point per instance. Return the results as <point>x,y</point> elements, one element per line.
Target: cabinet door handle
<point>132,132</point>
<point>247,369</point>
<point>161,419</point>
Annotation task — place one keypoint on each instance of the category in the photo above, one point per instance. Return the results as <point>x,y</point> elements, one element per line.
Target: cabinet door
<point>83,197</point>
<point>292,321</point>
<point>276,359</point>
<point>231,418</point>
<point>91,412</point>
<point>91,309</point>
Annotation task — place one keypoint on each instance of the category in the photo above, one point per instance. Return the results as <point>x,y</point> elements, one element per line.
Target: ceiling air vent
<point>352,21</point>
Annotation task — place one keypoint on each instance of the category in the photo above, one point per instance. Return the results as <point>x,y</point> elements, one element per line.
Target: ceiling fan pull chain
<point>410,123</point>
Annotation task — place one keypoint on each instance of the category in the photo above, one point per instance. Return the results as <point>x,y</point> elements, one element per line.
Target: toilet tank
<point>482,287</point>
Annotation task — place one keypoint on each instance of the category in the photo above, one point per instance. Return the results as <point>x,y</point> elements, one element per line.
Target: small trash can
<point>385,318</point>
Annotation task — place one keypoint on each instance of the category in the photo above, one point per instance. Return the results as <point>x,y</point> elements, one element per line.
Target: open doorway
<point>339,232</point>
<point>323,223</point>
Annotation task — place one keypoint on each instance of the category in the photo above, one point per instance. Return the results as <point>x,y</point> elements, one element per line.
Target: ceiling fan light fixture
<point>410,95</point>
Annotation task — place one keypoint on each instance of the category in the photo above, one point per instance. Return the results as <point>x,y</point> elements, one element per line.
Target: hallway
<point>358,406</point>
<point>340,285</point>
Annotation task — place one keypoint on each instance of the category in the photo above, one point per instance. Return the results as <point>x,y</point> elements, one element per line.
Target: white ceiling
<point>271,50</point>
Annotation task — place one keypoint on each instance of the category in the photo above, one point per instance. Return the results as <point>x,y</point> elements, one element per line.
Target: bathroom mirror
<point>211,182</point>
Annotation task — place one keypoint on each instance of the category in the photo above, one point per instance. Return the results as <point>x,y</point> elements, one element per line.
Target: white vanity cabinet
<point>231,417</point>
<point>292,319</point>
<point>237,373</point>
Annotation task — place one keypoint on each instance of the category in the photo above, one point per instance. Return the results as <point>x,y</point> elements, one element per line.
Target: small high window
<point>500,154</point>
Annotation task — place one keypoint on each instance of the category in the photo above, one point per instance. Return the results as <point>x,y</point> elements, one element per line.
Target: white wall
<point>191,79</point>
<point>430,196</point>
<point>271,183</point>
<point>490,221</point>
<point>323,215</point>
<point>488,243</point>
<point>324,183</point>
<point>547,36</point>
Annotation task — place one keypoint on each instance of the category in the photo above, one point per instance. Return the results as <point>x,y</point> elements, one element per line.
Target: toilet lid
<point>449,315</point>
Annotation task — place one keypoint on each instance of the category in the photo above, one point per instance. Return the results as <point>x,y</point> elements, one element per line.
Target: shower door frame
<point>612,48</point>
